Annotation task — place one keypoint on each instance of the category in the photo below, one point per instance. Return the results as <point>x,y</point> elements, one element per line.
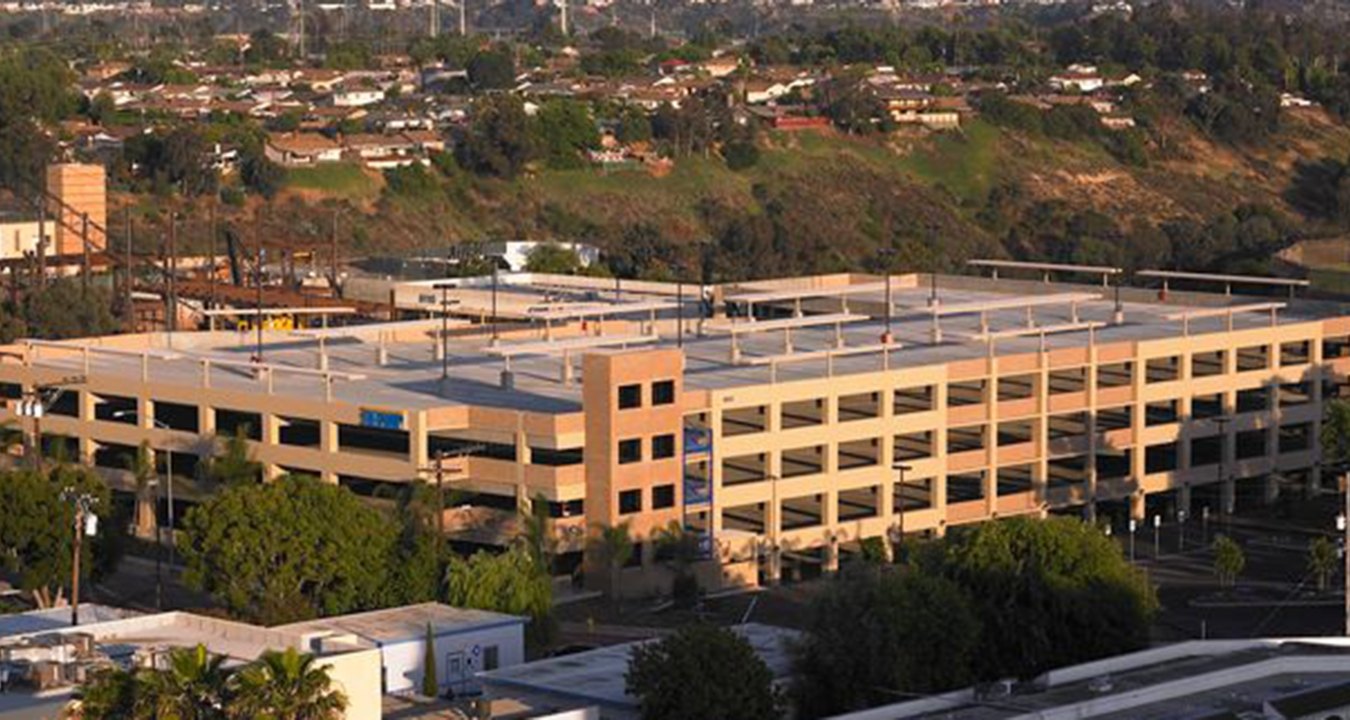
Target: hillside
<point>826,201</point>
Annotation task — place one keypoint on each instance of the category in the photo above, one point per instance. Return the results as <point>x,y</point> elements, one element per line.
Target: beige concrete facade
<point>779,468</point>
<point>83,191</point>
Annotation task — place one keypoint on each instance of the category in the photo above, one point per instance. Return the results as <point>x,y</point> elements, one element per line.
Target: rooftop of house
<point>544,319</point>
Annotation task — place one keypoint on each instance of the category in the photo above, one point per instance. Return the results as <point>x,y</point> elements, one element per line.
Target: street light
<point>1181,529</point>
<point>901,469</point>
<point>1157,529</point>
<point>1134,525</point>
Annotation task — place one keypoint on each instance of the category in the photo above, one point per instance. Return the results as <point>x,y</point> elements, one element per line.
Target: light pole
<point>446,304</point>
<point>1157,529</point>
<point>901,469</point>
<point>1181,530</point>
<point>1344,527</point>
<point>1134,525</point>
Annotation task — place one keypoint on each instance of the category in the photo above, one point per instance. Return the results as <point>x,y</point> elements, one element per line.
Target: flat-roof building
<point>785,439</point>
<point>1259,679</point>
<point>467,641</point>
<point>46,665</point>
<point>594,679</point>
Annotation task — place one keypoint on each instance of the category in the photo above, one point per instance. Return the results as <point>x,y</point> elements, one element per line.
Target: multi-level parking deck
<point>785,420</point>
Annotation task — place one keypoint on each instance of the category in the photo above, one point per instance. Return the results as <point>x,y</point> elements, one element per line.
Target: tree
<point>1336,433</point>
<point>499,141</point>
<point>553,258</point>
<point>879,631</point>
<point>612,546</point>
<point>109,694</point>
<point>196,685</point>
<point>143,470</point>
<point>680,548</point>
<point>1322,560</point>
<point>510,582</point>
<point>702,671</point>
<point>37,529</point>
<point>286,685</point>
<point>192,687</point>
<point>234,465</point>
<point>430,688</point>
<point>493,69</point>
<point>634,126</point>
<point>1228,560</point>
<point>1048,593</point>
<point>261,175</point>
<point>242,547</point>
<point>536,535</point>
<point>566,130</point>
<point>741,154</point>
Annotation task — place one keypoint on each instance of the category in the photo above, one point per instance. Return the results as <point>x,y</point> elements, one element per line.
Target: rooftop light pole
<point>494,304</point>
<point>679,313</point>
<point>1343,525</point>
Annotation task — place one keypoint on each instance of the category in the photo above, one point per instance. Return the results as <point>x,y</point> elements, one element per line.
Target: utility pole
<point>494,304</point>
<point>85,521</point>
<point>211,265</point>
<point>463,18</point>
<point>84,258</point>
<point>172,281</point>
<point>42,228</point>
<point>679,313</point>
<point>333,256</point>
<point>434,21</point>
<point>257,281</point>
<point>129,279</point>
<point>562,25</point>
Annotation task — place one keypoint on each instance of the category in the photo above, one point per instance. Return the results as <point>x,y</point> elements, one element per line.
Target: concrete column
<point>417,439</point>
<point>523,460</point>
<point>86,401</point>
<point>831,555</point>
<point>270,437</point>
<point>328,443</point>
<point>887,456</point>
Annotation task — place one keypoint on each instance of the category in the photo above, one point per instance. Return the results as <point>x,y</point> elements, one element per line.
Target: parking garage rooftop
<point>807,328</point>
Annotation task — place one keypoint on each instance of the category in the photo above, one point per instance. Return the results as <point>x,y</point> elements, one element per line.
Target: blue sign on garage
<point>381,419</point>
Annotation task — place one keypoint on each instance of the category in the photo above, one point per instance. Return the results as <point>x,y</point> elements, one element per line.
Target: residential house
<point>380,152</point>
<point>301,149</point>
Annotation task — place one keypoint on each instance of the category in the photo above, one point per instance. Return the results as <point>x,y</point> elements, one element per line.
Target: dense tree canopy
<point>288,550</point>
<point>877,633</point>
<point>37,528</point>
<point>702,671</point>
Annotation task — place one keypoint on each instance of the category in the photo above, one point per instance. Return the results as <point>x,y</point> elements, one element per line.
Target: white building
<point>358,97</point>
<point>467,642</point>
<point>47,665</point>
<point>516,253</point>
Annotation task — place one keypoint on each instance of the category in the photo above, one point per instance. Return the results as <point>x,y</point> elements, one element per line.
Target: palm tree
<point>235,464</point>
<point>1228,560</point>
<point>681,549</point>
<point>1336,432</point>
<point>286,685</point>
<point>110,694</point>
<point>534,534</point>
<point>1322,561</point>
<point>143,471</point>
<point>614,546</point>
<point>192,687</point>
